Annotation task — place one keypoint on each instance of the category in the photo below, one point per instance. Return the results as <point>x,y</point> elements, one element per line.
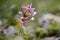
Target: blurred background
<point>45,26</point>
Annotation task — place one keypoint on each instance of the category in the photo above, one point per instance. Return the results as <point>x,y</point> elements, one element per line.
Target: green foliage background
<point>9,9</point>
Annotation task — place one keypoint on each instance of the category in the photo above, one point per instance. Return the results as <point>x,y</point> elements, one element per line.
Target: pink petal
<point>20,20</point>
<point>20,12</point>
<point>24,7</point>
<point>31,10</point>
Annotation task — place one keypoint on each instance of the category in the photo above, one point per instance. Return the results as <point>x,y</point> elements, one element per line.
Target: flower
<point>22,20</point>
<point>27,8</point>
<point>28,13</point>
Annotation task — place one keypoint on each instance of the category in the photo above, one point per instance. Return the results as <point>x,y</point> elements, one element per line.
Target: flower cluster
<point>28,13</point>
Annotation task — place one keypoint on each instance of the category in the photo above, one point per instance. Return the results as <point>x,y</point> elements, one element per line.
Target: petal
<point>32,18</point>
<point>31,10</point>
<point>20,12</point>
<point>24,7</point>
<point>20,20</point>
<point>34,13</point>
<point>30,5</point>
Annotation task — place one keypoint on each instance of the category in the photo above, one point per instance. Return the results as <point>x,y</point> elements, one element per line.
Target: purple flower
<point>29,8</point>
<point>27,11</point>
